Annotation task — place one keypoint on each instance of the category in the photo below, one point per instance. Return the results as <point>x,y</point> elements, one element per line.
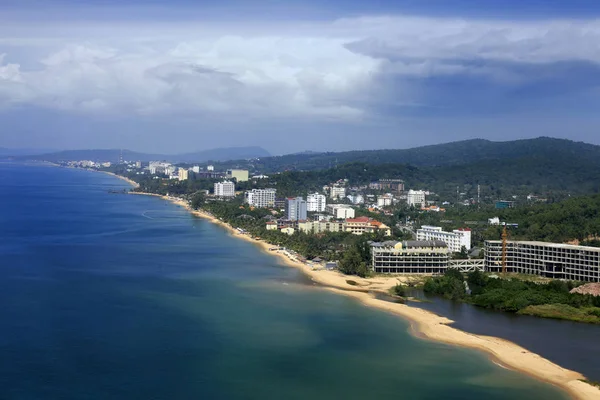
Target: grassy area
<point>564,311</point>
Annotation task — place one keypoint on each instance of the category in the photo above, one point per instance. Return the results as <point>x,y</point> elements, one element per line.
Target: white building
<point>316,202</point>
<point>385,200</point>
<point>337,192</point>
<point>415,198</point>
<point>225,189</point>
<point>182,174</point>
<point>261,197</point>
<point>196,169</point>
<point>356,198</point>
<point>210,168</point>
<point>494,221</point>
<point>455,240</point>
<point>340,211</point>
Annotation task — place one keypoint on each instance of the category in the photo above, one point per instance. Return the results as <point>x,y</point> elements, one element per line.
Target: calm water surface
<point>108,296</point>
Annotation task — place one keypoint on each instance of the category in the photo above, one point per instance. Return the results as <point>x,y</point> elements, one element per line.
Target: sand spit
<point>424,324</point>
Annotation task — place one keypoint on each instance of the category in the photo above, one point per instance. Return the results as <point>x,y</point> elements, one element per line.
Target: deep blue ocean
<point>116,296</point>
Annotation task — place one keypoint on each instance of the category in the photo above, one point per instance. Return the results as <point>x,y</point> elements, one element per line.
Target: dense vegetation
<point>551,299</point>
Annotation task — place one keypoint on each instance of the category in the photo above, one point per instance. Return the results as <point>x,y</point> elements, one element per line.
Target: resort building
<point>295,209</point>
<point>240,175</point>
<point>321,226</point>
<point>551,260</point>
<point>225,189</point>
<point>415,198</point>
<point>361,225</point>
<point>455,240</point>
<point>340,211</point>
<point>410,257</point>
<point>315,202</point>
<point>260,197</point>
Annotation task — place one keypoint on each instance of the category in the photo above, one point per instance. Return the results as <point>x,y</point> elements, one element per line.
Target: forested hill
<point>448,154</point>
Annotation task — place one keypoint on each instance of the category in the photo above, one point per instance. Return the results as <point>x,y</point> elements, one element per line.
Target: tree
<point>350,264</point>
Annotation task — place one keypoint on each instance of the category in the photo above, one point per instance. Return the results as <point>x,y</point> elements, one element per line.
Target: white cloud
<point>321,70</point>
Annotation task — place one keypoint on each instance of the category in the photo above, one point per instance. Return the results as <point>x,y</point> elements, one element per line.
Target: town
<point>394,221</point>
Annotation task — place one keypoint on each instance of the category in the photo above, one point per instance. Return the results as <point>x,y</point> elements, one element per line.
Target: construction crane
<point>505,236</point>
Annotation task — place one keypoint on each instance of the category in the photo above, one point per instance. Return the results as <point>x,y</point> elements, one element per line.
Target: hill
<point>113,155</point>
<point>5,152</point>
<point>447,154</point>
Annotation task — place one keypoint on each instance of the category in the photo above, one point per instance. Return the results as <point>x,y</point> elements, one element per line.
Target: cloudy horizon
<point>295,77</point>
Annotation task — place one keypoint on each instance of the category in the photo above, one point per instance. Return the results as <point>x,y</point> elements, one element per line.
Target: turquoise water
<point>111,296</point>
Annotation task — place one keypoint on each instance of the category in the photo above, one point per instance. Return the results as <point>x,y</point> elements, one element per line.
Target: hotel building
<point>455,240</point>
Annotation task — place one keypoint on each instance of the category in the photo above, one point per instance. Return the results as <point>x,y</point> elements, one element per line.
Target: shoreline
<point>423,324</point>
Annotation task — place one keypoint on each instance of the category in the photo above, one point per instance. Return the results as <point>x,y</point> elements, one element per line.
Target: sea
<point>108,295</point>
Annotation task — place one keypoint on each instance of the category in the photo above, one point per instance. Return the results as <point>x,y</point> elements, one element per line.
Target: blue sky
<point>293,75</point>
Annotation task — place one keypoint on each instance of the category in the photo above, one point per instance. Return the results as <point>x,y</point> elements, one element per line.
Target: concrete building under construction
<point>410,257</point>
<point>551,260</point>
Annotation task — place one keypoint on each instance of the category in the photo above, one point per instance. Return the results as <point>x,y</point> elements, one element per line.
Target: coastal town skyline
<point>156,77</point>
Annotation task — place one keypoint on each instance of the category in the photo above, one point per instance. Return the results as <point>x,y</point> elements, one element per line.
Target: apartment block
<point>295,209</point>
<point>225,189</point>
<point>260,197</point>
<point>316,202</point>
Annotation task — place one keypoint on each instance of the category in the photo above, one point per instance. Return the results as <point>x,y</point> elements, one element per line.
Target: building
<point>295,209</point>
<point>340,211</point>
<point>337,192</point>
<point>271,226</point>
<point>196,169</point>
<point>260,197</point>
<point>225,189</point>
<point>356,198</point>
<point>289,230</point>
<point>362,225</point>
<point>240,175</point>
<point>385,200</point>
<point>321,226</point>
<point>182,174</point>
<point>395,185</point>
<point>494,221</point>
<point>138,164</point>
<point>210,168</point>
<point>501,204</point>
<point>415,198</point>
<point>316,202</point>
<point>455,240</point>
<point>551,260</point>
<point>410,257</point>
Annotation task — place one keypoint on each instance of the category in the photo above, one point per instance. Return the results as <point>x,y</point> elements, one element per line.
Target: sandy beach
<point>424,324</point>
<point>132,183</point>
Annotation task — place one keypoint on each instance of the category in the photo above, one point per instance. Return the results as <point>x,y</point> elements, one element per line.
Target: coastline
<point>131,182</point>
<point>424,324</point>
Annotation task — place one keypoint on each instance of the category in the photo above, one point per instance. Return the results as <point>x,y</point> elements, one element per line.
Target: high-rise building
<point>455,240</point>
<point>182,174</point>
<point>240,175</point>
<point>261,197</point>
<point>225,189</point>
<point>138,164</point>
<point>415,198</point>
<point>316,202</point>
<point>210,168</point>
<point>196,169</point>
<point>295,209</point>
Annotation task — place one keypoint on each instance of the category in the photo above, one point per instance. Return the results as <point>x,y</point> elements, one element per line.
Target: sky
<point>171,76</point>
